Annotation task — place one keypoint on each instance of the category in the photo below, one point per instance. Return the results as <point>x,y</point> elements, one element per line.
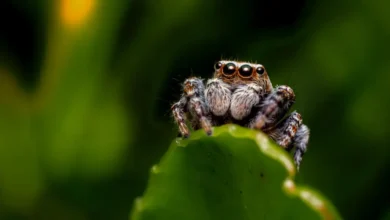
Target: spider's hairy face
<point>239,73</point>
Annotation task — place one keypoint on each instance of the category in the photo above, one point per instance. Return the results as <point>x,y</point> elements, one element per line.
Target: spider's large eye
<point>260,70</point>
<point>217,65</point>
<point>245,70</point>
<point>229,69</point>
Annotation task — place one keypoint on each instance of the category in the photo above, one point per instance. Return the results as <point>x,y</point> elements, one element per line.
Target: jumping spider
<point>242,93</point>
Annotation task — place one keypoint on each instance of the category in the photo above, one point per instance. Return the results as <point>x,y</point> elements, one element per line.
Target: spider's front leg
<point>289,132</point>
<point>178,111</point>
<point>273,108</point>
<point>286,130</point>
<point>300,142</point>
<point>200,111</point>
<point>192,102</point>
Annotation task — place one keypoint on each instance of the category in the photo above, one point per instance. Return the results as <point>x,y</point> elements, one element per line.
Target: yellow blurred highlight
<point>75,12</point>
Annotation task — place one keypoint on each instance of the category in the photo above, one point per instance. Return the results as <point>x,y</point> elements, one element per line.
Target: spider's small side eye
<point>245,70</point>
<point>260,70</point>
<point>229,69</point>
<point>217,65</point>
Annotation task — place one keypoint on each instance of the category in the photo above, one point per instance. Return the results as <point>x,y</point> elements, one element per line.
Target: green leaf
<point>237,173</point>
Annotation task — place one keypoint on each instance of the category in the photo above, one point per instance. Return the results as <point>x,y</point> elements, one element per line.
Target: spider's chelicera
<point>242,93</point>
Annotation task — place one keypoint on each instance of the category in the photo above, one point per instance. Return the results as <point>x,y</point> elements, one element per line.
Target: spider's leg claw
<point>183,135</point>
<point>260,123</point>
<point>206,126</point>
<point>300,142</point>
<point>297,161</point>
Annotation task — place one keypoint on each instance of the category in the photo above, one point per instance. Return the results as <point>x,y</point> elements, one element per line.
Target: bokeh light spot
<point>75,12</point>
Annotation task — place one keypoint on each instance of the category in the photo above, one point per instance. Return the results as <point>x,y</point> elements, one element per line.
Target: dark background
<point>79,132</point>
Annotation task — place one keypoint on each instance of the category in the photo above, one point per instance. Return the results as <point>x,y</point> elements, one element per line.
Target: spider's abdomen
<point>218,96</point>
<point>243,100</point>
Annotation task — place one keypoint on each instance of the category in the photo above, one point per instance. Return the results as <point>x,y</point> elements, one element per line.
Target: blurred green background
<point>86,87</point>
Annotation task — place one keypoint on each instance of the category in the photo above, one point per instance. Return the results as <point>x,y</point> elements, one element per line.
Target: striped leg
<point>192,102</point>
<point>179,116</point>
<point>286,130</point>
<point>199,108</point>
<point>273,108</point>
<point>300,142</point>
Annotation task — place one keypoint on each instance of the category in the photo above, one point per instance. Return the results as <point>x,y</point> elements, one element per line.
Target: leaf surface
<point>237,173</point>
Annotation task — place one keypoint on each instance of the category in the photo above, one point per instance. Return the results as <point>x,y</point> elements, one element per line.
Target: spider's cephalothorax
<point>242,93</point>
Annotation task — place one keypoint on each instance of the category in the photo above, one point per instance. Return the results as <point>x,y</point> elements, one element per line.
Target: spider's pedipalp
<point>300,142</point>
<point>244,98</point>
<point>273,108</point>
<point>218,96</point>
